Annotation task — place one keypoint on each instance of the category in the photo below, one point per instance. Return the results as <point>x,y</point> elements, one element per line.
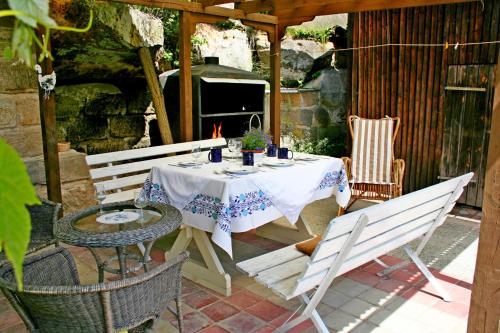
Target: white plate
<point>118,217</point>
<point>187,163</point>
<point>241,170</point>
<point>306,158</point>
<point>278,162</point>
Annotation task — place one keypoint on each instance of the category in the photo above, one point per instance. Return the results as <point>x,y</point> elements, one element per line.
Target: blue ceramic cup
<point>283,153</point>
<point>271,150</point>
<point>248,158</point>
<point>215,155</point>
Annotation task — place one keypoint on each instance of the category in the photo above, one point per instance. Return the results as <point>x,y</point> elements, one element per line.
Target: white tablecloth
<point>220,204</point>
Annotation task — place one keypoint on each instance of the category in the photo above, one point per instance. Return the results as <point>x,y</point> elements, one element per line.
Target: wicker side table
<point>82,229</point>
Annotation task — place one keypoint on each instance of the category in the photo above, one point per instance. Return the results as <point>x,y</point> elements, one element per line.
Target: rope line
<point>445,45</point>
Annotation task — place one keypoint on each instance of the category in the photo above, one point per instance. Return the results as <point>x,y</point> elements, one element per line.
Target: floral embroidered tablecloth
<point>215,202</point>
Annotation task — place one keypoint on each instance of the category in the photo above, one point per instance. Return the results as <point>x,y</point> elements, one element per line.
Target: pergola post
<point>484,315</point>
<point>275,85</point>
<point>49,137</point>
<point>185,85</point>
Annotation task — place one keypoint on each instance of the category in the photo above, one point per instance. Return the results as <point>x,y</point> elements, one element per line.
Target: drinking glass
<point>140,202</point>
<point>237,148</point>
<point>231,145</point>
<point>100,194</point>
<point>196,153</point>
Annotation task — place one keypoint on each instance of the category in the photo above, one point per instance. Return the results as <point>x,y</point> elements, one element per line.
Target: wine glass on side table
<point>140,202</point>
<point>100,194</point>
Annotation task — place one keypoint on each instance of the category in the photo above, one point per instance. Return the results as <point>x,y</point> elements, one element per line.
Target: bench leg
<point>297,233</point>
<point>314,316</point>
<point>210,273</point>
<point>432,279</point>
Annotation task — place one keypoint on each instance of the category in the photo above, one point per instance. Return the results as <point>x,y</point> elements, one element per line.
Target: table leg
<point>100,264</point>
<point>147,251</point>
<point>120,252</point>
<point>211,274</point>
<point>284,234</point>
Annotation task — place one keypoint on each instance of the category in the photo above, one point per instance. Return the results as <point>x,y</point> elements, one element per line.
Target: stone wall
<point>309,115</point>
<point>97,117</point>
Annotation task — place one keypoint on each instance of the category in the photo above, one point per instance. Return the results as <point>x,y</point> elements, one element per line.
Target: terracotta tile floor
<point>359,301</point>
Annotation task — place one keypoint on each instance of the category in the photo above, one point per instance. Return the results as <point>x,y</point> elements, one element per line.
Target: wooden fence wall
<point>409,81</point>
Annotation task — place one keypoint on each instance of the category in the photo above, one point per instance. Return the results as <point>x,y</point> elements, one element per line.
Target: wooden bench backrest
<point>123,172</point>
<point>391,224</point>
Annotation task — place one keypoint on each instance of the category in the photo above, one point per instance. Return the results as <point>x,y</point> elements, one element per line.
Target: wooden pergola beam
<point>333,7</point>
<point>285,9</point>
<point>207,3</point>
<point>194,7</point>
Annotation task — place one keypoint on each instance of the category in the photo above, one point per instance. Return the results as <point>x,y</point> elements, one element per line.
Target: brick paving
<point>359,301</point>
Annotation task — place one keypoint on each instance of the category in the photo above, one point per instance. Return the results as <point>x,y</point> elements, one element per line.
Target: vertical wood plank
<point>185,79</point>
<point>484,310</point>
<point>494,33</point>
<point>431,38</point>
<point>485,31</point>
<point>355,66</point>
<point>435,143</point>
<point>401,80</point>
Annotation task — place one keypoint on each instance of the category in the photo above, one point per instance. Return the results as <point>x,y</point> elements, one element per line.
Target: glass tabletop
<point>114,220</point>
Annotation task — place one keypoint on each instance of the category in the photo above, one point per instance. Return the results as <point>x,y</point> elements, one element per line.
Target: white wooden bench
<point>123,172</point>
<point>352,240</point>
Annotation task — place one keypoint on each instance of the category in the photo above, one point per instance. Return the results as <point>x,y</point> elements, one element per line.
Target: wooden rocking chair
<point>373,172</point>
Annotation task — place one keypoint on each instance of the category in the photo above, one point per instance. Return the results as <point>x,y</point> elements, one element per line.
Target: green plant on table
<point>255,139</point>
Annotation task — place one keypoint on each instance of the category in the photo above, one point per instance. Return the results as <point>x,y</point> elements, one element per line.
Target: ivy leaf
<point>38,9</point>
<point>16,191</point>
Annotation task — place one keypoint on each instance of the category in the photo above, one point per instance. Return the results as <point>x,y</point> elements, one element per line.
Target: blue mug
<point>271,150</point>
<point>248,158</point>
<point>283,153</point>
<point>215,155</point>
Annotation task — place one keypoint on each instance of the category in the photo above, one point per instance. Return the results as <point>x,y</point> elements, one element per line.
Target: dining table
<point>219,199</point>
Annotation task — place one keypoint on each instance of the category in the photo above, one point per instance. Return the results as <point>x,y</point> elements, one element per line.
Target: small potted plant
<point>255,141</point>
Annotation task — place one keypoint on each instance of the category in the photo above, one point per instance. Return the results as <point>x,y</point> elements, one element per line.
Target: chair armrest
<point>347,164</point>
<point>398,167</point>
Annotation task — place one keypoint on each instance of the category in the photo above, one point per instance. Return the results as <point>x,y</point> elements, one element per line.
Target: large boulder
<point>297,56</point>
<point>109,49</point>
<point>232,46</point>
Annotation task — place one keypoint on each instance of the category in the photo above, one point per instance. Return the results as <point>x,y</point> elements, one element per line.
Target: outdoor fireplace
<point>224,100</point>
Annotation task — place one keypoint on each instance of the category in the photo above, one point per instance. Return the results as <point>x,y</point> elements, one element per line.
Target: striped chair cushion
<point>372,150</point>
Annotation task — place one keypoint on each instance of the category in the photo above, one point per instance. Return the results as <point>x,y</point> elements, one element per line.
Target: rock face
<point>109,49</point>
<point>297,56</point>
<point>94,118</point>
<point>231,46</point>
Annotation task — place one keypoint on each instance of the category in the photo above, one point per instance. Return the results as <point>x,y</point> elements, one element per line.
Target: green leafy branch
<point>30,14</point>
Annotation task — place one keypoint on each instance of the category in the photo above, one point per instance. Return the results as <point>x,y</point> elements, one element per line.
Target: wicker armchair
<point>54,301</point>
<point>43,218</point>
<point>372,170</point>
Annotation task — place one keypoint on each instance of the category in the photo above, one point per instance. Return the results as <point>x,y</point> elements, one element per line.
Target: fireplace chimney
<point>211,60</point>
